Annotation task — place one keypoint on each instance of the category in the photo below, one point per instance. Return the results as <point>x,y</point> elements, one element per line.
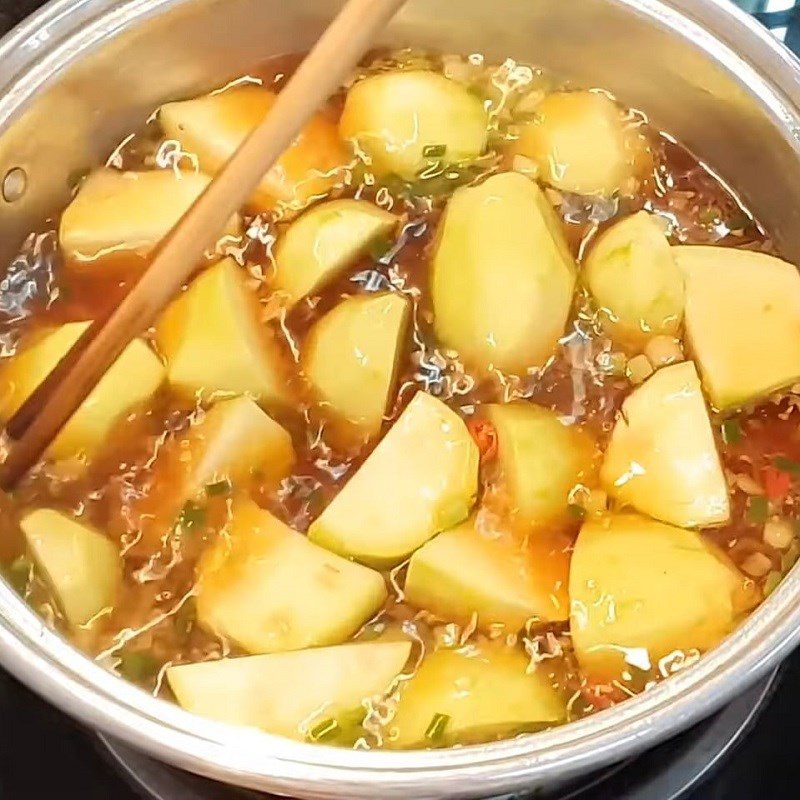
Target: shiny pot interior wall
<point>99,83</point>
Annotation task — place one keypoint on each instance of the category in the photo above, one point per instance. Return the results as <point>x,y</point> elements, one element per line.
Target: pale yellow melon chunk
<point>80,564</point>
<point>662,459</point>
<point>213,126</point>
<point>642,591</point>
<point>350,358</point>
<point>326,240</point>
<point>215,344</point>
<point>118,211</point>
<point>268,588</point>
<point>291,694</point>
<point>742,321</point>
<point>132,379</point>
<point>420,479</point>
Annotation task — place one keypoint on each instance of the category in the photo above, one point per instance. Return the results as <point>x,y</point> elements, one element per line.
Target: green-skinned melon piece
<point>635,282</point>
<point>541,460</point>
<point>502,277</point>
<point>420,479</point>
<point>350,358</point>
<point>326,240</point>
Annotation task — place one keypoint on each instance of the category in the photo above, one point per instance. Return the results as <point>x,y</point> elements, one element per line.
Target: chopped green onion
<point>434,150</point>
<point>380,247</point>
<point>786,465</point>
<point>192,516</point>
<point>185,618</point>
<point>731,431</point>
<point>323,730</point>
<point>138,666</point>
<point>435,730</point>
<point>578,512</point>
<point>218,488</point>
<point>757,510</point>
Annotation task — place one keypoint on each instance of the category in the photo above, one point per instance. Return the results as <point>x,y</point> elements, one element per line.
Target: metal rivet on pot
<point>15,183</point>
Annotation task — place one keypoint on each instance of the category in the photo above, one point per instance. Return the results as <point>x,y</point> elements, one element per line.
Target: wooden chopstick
<point>56,399</point>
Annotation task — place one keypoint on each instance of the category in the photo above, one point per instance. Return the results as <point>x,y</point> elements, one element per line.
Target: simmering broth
<point>421,456</point>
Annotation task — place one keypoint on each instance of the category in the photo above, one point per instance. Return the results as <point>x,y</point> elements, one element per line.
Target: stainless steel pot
<point>78,75</point>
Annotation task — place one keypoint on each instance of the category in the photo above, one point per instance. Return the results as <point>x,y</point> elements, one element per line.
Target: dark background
<point>45,756</point>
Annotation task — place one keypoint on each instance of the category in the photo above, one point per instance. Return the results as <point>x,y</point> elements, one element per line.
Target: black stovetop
<point>46,756</point>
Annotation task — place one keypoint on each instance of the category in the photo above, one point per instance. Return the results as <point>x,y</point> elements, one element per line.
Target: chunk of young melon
<point>502,276</point>
<point>635,282</point>
<point>474,694</point>
<point>268,588</point>
<point>742,322</point>
<point>662,459</point>
<point>133,378</point>
<point>290,693</point>
<point>213,126</point>
<point>401,121</point>
<point>641,591</point>
<point>584,143</point>
<point>350,358</point>
<point>214,343</point>
<point>80,565</point>
<point>322,243</point>
<point>420,479</point>
<point>118,211</point>
<point>505,580</point>
<point>230,442</point>
<point>541,460</point>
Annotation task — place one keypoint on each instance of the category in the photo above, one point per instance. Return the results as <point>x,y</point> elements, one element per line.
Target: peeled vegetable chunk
<point>290,693</point>
<point>80,565</point>
<point>584,143</point>
<point>350,358</point>
<point>502,276</point>
<point>662,459</point>
<point>633,277</point>
<point>326,240</point>
<point>541,460</point>
<point>742,321</point>
<point>214,343</point>
<point>128,211</point>
<point>420,479</point>
<point>213,126</point>
<point>474,694</point>
<point>503,579</point>
<point>231,441</point>
<point>402,121</point>
<point>642,590</point>
<point>132,379</point>
<point>268,588</point>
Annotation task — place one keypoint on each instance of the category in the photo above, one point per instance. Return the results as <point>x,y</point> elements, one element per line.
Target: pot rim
<point>30,56</point>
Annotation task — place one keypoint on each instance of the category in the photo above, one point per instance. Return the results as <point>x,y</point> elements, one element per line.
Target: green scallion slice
<point>436,728</point>
<point>137,666</point>
<point>757,510</point>
<point>323,730</point>
<point>731,431</point>
<point>192,516</point>
<point>786,465</point>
